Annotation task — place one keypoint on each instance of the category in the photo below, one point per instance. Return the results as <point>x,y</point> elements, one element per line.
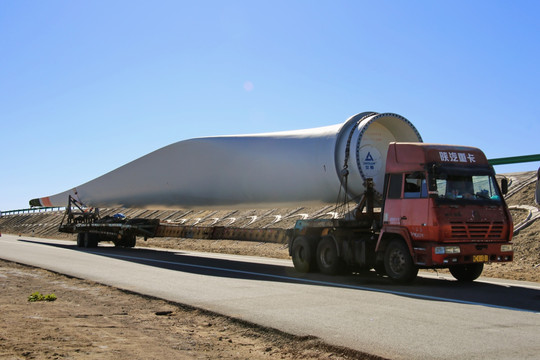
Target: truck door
<point>392,205</point>
<point>415,205</point>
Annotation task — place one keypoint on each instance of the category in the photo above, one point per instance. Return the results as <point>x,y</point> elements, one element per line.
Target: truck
<point>440,207</point>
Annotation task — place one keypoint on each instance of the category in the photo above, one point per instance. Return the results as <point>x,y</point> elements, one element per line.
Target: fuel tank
<point>282,169</point>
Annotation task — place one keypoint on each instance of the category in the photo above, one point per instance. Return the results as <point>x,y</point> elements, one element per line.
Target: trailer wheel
<point>303,255</point>
<point>90,240</point>
<point>80,240</point>
<point>467,272</point>
<point>130,241</point>
<point>398,263</point>
<point>328,259</point>
<point>127,241</point>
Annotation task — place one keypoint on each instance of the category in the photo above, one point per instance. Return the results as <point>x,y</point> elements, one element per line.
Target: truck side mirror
<point>504,186</point>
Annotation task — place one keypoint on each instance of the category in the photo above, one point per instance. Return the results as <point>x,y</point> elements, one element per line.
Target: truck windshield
<point>455,187</point>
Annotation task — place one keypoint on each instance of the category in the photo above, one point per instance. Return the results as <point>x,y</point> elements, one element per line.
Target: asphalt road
<point>432,318</point>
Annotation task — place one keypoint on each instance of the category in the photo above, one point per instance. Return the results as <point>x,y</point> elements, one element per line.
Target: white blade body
<point>285,169</point>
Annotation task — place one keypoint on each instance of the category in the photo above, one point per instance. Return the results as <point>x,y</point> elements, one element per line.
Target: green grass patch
<point>37,296</point>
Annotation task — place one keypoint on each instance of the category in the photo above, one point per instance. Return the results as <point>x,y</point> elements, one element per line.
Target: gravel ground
<point>93,321</point>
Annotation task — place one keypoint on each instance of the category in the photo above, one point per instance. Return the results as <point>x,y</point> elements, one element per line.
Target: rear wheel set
<point>91,240</point>
<point>308,255</point>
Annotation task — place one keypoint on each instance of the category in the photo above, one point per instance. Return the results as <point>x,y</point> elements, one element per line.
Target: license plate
<point>480,258</point>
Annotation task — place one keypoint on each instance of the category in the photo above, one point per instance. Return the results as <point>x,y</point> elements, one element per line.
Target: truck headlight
<point>440,250</point>
<point>507,247</point>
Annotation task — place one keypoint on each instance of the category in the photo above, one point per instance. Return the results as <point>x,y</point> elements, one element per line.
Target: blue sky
<point>86,87</point>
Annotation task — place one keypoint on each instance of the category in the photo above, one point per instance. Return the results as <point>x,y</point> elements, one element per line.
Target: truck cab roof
<point>413,156</point>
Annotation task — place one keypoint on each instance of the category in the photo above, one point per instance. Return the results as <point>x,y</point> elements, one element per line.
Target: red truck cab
<point>446,204</point>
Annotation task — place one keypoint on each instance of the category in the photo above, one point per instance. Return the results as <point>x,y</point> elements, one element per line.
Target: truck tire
<point>467,272</point>
<point>328,259</point>
<point>398,263</point>
<point>303,255</point>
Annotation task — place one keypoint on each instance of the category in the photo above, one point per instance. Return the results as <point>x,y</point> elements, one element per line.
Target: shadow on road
<point>475,293</point>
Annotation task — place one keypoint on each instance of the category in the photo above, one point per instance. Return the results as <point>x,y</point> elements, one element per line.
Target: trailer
<point>91,229</point>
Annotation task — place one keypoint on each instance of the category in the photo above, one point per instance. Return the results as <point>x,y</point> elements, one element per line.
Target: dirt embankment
<point>526,264</point>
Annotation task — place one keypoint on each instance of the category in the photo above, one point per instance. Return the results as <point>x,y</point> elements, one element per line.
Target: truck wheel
<point>467,272</point>
<point>398,263</point>
<point>303,255</point>
<point>328,259</point>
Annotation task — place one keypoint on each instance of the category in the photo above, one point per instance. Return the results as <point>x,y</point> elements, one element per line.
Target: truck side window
<point>415,186</point>
<point>394,188</point>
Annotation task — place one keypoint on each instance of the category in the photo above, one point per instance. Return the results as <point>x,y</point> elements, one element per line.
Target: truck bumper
<point>437,255</point>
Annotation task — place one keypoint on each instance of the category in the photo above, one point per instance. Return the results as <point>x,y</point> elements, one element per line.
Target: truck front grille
<point>477,231</point>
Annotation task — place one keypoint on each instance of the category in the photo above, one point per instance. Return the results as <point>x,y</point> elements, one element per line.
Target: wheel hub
<point>326,257</point>
<point>397,261</point>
